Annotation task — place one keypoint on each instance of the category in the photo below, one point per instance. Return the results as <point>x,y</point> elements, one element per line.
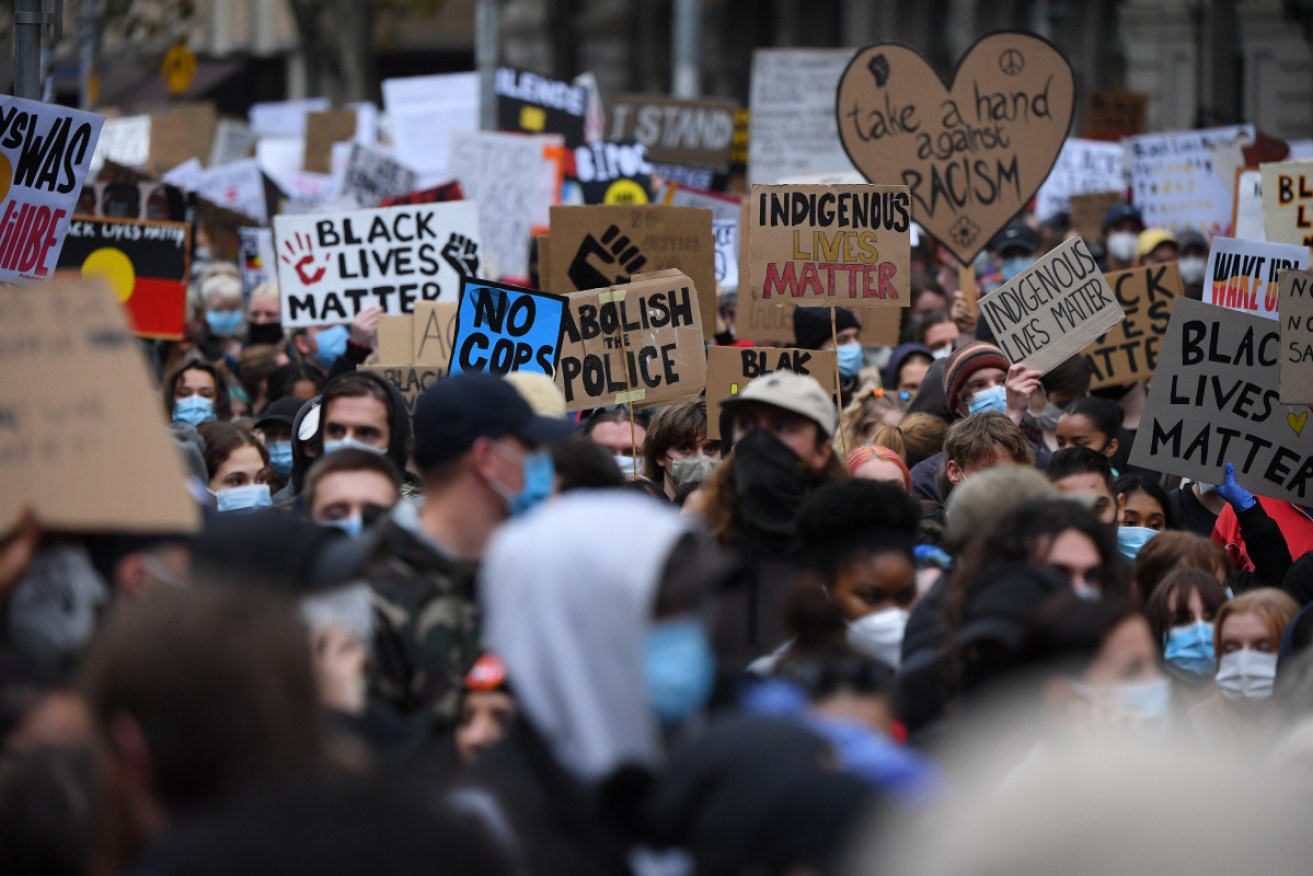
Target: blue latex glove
<point>1235,495</point>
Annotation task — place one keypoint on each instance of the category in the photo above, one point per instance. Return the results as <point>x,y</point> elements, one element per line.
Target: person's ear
<point>1121,505</point>
<point>954,472</point>
<point>824,450</point>
<point>1111,450</point>
<point>302,344</point>
<point>483,459</point>
<point>131,576</point>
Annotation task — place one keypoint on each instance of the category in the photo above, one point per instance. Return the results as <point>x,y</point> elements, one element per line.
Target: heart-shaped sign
<point>972,151</point>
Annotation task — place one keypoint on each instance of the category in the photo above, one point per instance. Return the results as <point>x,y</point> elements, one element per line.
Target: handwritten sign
<point>1288,202</point>
<point>792,127</point>
<point>1083,166</point>
<point>1242,274</point>
<point>730,369</point>
<point>1296,291</point>
<point>371,177</point>
<point>1247,217</point>
<point>531,104</point>
<point>1176,182</point>
<point>1112,115</point>
<point>255,258</point>
<point>500,329</point>
<point>236,186</point>
<point>124,140</point>
<point>973,150</point>
<point>233,141</point>
<point>1215,399</point>
<point>410,380</point>
<point>694,133</point>
<point>1053,309</point>
<point>1087,212</point>
<point>425,112</point>
<point>1129,351</point>
<point>333,265</point>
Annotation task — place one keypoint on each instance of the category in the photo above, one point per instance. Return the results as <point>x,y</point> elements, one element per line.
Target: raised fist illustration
<point>299,253</point>
<point>462,254</point>
<point>614,254</point>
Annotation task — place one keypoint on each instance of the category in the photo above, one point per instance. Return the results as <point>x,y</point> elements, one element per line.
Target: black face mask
<point>264,333</point>
<point>770,481</point>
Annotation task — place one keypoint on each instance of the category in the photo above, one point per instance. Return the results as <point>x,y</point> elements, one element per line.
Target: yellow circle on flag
<point>6,176</point>
<point>179,68</point>
<point>625,191</point>
<point>115,267</point>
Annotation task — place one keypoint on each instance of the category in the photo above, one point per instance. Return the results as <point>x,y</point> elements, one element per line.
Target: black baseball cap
<point>1120,213</point>
<point>1018,235</point>
<point>456,411</point>
<point>282,411</point>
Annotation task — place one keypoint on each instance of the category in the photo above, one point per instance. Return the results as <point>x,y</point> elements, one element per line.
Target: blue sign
<point>501,328</point>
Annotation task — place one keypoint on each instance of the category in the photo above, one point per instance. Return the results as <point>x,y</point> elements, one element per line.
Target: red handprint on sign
<point>300,254</point>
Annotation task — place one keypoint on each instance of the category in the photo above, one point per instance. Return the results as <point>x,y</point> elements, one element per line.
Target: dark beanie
<point>811,325</point>
<point>964,362</point>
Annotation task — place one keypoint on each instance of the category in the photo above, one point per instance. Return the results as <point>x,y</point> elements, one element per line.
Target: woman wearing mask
<point>195,394</point>
<point>1143,511</point>
<point>1058,389</point>
<point>225,324</point>
<point>1090,422</point>
<point>677,451</point>
<point>1181,613</point>
<point>238,468</point>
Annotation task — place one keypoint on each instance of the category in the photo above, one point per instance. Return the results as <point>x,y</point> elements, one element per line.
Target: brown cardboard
<point>968,151</point>
<point>185,131</point>
<point>654,323</point>
<point>1129,351</point>
<point>411,380</point>
<point>729,369</point>
<point>599,246</point>
<point>1052,310</point>
<point>843,245</point>
<point>1213,401</point>
<point>1112,115</point>
<point>545,262</point>
<point>693,133</point>
<point>434,328</point>
<point>83,443</point>
<point>1088,212</point>
<point>1296,308</point>
<point>322,130</point>
<point>1288,202</point>
<point>396,342</point>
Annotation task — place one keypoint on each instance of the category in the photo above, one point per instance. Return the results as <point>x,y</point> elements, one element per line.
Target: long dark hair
<point>223,409</point>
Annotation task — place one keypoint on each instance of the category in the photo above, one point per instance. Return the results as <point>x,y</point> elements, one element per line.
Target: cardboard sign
<point>599,247</point>
<point>1052,310</point>
<point>1083,166</point>
<point>792,127</point>
<point>419,344</point>
<point>1247,216</point>
<point>411,380</point>
<point>83,444</point>
<point>1215,399</point>
<point>45,153</point>
<point>1296,292</point>
<point>722,207</point>
<point>1288,202</point>
<point>333,265</point>
<point>425,112</point>
<point>1087,212</point>
<point>1174,180</point>
<point>844,246</point>
<point>322,130</point>
<point>972,150</point>
<point>256,263</point>
<point>531,104</point>
<point>442,194</point>
<point>613,172</point>
<point>730,369</point>
<point>1112,115</point>
<point>641,342</point>
<point>500,329</point>
<point>1129,351</point>
<point>185,131</point>
<point>145,263</point>
<point>433,333</point>
<point>371,177</point>
<point>233,141</point>
<point>694,133</point>
<point>1242,274</point>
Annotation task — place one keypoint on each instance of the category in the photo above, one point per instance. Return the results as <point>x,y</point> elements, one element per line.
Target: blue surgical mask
<point>280,457</point>
<point>224,323</point>
<point>539,481</point>
<point>1009,268</point>
<point>1131,538</point>
<point>194,409</point>
<point>332,344</point>
<point>993,399</point>
<point>352,526</point>
<point>1190,649</point>
<point>850,360</point>
<point>1147,701</point>
<point>627,464</point>
<point>246,498</point>
<point>679,668</point>
<point>349,443</point>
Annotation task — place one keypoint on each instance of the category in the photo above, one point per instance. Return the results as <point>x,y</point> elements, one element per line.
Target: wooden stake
<point>966,281</point>
<point>838,384</point>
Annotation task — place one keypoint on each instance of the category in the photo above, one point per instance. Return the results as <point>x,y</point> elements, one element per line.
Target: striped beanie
<point>965,361</point>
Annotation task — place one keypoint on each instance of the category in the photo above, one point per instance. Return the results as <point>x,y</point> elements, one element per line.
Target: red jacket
<point>1294,523</point>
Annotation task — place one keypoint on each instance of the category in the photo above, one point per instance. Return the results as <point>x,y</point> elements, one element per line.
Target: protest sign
<point>844,246</point>
<point>501,172</point>
<point>442,194</point>
<point>124,140</point>
<point>730,369</point>
<point>83,445</point>
<point>613,172</point>
<point>396,336</point>
<point>371,177</point>
<point>133,200</point>
<point>284,118</point>
<point>425,111</point>
<point>1288,202</point>
<point>1296,292</point>
<point>1112,115</point>
<point>45,153</point>
<point>333,265</point>
<point>531,104</point>
<point>501,328</point>
<point>637,342</point>
<point>972,150</point>
<point>414,349</point>
<point>721,206</point>
<point>322,130</point>
<point>792,126</point>
<point>145,263</point>
<point>1087,212</point>
<point>186,176</point>
<point>1129,351</point>
<point>1247,216</point>
<point>238,186</point>
<point>603,246</point>
<point>691,133</point>
<point>185,130</point>
<point>1242,274</point>
<point>738,153</point>
<point>1083,166</point>
<point>255,258</point>
<point>1052,310</point>
<point>1215,399</point>
<point>1175,182</point>
<point>433,333</point>
<point>410,380</point>
<point>726,232</point>
<point>233,141</point>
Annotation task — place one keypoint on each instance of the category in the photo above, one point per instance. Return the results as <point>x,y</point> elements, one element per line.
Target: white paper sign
<point>233,141</point>
<point>1176,183</point>
<point>280,157</point>
<point>255,257</point>
<point>1249,206</point>
<point>371,177</point>
<point>793,128</point>
<point>124,141</point>
<point>285,118</point>
<point>1083,166</point>
<point>726,232</point>
<point>333,265</point>
<point>238,186</point>
<point>186,176</point>
<point>1242,274</point>
<point>425,111</point>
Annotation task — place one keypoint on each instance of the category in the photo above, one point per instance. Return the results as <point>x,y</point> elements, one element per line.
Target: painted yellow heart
<point>973,150</point>
<point>1297,423</point>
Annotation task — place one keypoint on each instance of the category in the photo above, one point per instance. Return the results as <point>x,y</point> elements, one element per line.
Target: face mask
<point>1131,538</point>
<point>194,409</point>
<point>280,457</point>
<point>264,333</point>
<point>679,668</point>
<point>1192,269</point>
<point>1141,701</point>
<point>332,344</point>
<point>627,464</point>
<point>52,610</point>
<point>1086,592</point>
<point>331,447</point>
<point>1121,245</point>
<point>1048,419</point>
<point>1207,488</point>
<point>539,481</point>
<point>345,608</point>
<point>224,323</point>
<point>1247,675</point>
<point>693,470</point>
<point>993,399</point>
<point>352,526</point>
<point>1010,268</point>
<point>247,498</point>
<point>770,481</point>
<point>942,352</point>
<point>850,360</point>
<point>1190,649</point>
<point>879,635</point>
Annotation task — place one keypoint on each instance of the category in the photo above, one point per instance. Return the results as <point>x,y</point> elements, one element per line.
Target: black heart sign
<point>972,151</point>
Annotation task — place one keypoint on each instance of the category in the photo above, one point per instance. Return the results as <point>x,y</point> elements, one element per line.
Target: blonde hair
<point>866,413</point>
<point>1275,607</point>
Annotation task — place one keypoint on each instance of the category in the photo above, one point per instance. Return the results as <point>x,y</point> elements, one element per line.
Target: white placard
<point>1083,167</point>
<point>793,129</point>
<point>425,111</point>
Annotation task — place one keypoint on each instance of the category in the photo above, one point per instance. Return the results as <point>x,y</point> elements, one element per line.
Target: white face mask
<point>1247,675</point>
<point>1121,245</point>
<point>879,635</point>
<point>942,352</point>
<point>1191,268</point>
